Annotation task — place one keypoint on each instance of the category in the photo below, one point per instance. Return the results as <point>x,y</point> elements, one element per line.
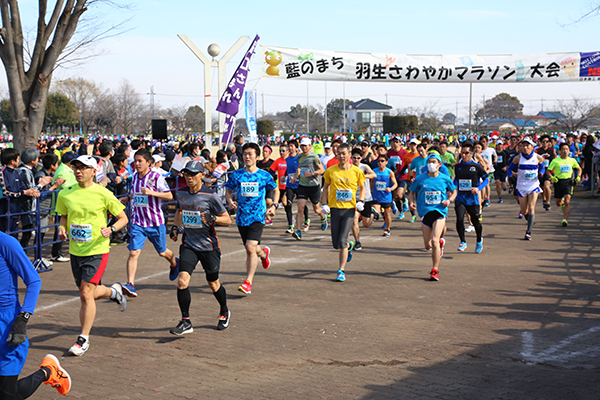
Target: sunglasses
<point>381,161</point>
<point>544,141</point>
<point>357,157</point>
<point>466,152</point>
<point>188,173</point>
<point>282,150</point>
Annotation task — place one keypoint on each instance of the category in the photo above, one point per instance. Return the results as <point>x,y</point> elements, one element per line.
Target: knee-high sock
<point>221,296</point>
<point>184,298</point>
<point>530,221</point>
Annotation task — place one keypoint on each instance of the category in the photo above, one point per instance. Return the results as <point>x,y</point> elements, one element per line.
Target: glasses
<point>466,152</point>
<point>381,161</point>
<point>544,141</point>
<point>188,173</point>
<point>282,150</point>
<point>80,167</point>
<point>356,157</point>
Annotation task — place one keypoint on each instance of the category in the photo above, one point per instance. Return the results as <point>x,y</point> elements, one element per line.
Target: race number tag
<point>343,195</point>
<point>140,201</point>
<point>249,189</point>
<point>282,180</point>
<point>191,219</point>
<point>500,158</point>
<point>81,233</point>
<point>380,186</point>
<point>565,169</point>
<point>433,197</point>
<point>465,184</point>
<point>303,171</point>
<point>530,175</point>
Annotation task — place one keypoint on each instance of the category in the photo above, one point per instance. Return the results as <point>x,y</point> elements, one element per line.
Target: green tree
<point>6,114</point>
<point>265,127</point>
<point>60,111</point>
<point>429,124</point>
<point>335,114</point>
<point>501,106</point>
<point>194,119</point>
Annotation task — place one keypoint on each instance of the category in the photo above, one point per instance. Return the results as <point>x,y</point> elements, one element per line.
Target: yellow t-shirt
<point>343,185</point>
<point>86,209</point>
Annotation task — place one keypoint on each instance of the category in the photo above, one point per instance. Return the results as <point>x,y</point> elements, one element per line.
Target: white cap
<point>528,140</point>
<point>305,142</point>
<point>87,160</point>
<point>327,145</point>
<point>414,140</point>
<point>499,142</point>
<point>158,157</point>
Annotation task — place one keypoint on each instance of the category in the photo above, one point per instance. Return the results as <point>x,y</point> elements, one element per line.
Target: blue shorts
<point>12,359</point>
<point>157,235</point>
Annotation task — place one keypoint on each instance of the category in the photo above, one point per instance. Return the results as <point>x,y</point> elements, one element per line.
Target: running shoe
<point>59,378</point>
<point>500,201</point>
<point>564,222</point>
<point>245,287</point>
<point>119,298</point>
<point>129,290</point>
<point>527,235</point>
<point>486,203</point>
<point>341,276</point>
<point>562,206</point>
<point>376,214</point>
<point>184,326</point>
<point>80,347</point>
<point>479,247</point>
<point>462,246</point>
<point>290,229</point>
<point>297,235</point>
<point>546,206</point>
<point>60,259</point>
<point>306,225</point>
<point>266,262</point>
<point>470,228</point>
<point>401,215</point>
<point>268,222</point>
<point>174,272</point>
<point>383,226</point>
<point>521,216</point>
<point>413,219</point>
<point>405,208</point>
<point>350,248</point>
<point>224,321</point>
<point>480,218</point>
<point>434,275</point>
<point>394,208</point>
<point>357,245</point>
<point>386,233</point>
<point>442,244</point>
<point>324,224</point>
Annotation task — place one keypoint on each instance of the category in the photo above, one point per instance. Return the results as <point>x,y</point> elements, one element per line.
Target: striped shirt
<point>147,210</point>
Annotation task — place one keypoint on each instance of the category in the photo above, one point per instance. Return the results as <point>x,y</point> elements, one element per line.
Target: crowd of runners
<point>352,185</point>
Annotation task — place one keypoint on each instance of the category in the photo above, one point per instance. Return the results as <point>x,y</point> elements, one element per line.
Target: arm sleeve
<point>483,184</point>
<point>17,260</point>
<point>513,167</point>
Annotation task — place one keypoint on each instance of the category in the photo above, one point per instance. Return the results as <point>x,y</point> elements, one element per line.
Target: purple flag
<point>228,130</point>
<point>230,101</point>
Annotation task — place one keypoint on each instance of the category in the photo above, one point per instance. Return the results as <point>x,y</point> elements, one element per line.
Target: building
<point>366,115</point>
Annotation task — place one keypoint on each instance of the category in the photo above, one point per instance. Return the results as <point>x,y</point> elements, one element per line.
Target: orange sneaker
<point>59,378</point>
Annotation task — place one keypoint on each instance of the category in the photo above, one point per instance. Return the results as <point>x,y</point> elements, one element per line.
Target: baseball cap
<point>395,139</point>
<point>194,167</point>
<point>434,155</point>
<point>499,142</point>
<point>528,140</point>
<point>85,160</point>
<point>159,157</point>
<point>327,145</point>
<point>305,142</point>
<point>364,143</point>
<point>414,140</point>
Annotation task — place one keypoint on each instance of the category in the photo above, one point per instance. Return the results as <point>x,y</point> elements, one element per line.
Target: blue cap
<point>436,156</point>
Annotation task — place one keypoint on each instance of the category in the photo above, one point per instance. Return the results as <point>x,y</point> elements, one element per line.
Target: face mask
<point>432,167</point>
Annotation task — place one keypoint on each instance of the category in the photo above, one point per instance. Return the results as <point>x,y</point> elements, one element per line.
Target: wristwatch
<point>113,229</point>
<point>25,315</point>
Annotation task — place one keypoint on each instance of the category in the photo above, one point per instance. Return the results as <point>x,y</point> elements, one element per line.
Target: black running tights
<point>473,211</point>
<point>13,388</point>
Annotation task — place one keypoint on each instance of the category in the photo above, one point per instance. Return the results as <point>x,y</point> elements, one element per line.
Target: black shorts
<point>500,175</point>
<point>563,188</point>
<point>252,232</point>
<point>366,213</point>
<point>281,194</point>
<point>431,217</point>
<point>543,178</point>
<point>404,183</point>
<point>383,205</point>
<point>312,193</point>
<point>210,260</point>
<point>89,269</point>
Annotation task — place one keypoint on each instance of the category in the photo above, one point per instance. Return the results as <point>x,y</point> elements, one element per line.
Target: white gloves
<point>360,206</point>
<point>325,209</point>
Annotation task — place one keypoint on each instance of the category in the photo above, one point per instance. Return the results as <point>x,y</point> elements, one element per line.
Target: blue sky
<point>150,53</point>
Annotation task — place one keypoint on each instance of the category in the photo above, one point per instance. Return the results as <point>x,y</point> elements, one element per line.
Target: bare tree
<point>577,111</point>
<point>82,93</point>
<point>176,117</point>
<point>29,66</point>
<point>104,112</point>
<point>130,107</point>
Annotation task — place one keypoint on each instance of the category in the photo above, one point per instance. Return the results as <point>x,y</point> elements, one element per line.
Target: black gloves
<point>18,331</point>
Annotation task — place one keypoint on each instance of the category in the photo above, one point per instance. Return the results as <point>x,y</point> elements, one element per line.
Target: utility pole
<point>344,104</point>
<point>470,104</point>
<point>262,95</point>
<point>386,99</point>
<point>456,118</point>
<point>307,112</point>
<point>542,104</point>
<point>152,99</point>
<point>326,107</point>
<point>484,106</point>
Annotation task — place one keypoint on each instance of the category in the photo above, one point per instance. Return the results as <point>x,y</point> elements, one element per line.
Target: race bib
<point>282,180</point>
<point>465,184</point>
<point>565,169</point>
<point>140,201</point>
<point>546,163</point>
<point>380,186</point>
<point>249,189</point>
<point>191,219</point>
<point>303,171</point>
<point>81,233</point>
<point>530,175</point>
<point>343,195</point>
<point>500,158</point>
<point>433,197</point>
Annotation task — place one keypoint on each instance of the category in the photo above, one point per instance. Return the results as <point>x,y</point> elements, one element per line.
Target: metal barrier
<point>39,262</point>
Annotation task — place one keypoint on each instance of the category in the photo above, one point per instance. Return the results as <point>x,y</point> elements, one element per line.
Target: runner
<point>500,170</point>
<point>279,167</point>
<point>562,169</point>
<point>526,165</point>
<point>404,178</point>
<point>434,193</point>
<point>489,154</point>
<point>367,214</point>
<point>309,188</point>
<point>250,184</point>
<point>148,190</point>
<point>338,198</point>
<point>470,179</point>
<point>291,189</point>
<point>83,209</point>
<point>548,153</point>
<point>395,156</point>
<point>383,186</point>
<point>14,344</point>
<point>328,154</point>
<point>199,209</point>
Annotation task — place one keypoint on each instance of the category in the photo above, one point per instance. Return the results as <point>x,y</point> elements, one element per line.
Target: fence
<point>39,262</point>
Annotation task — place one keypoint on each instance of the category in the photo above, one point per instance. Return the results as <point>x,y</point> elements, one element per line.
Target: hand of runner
<point>146,191</point>
<point>412,206</point>
<point>18,331</point>
<point>325,209</point>
<point>233,205</point>
<point>578,179</point>
<point>105,231</point>
<point>554,179</point>
<point>360,205</point>
<point>271,211</point>
<point>62,234</point>
<point>474,190</point>
<point>445,203</point>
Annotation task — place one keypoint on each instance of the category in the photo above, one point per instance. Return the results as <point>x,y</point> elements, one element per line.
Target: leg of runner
<point>527,204</point>
<point>290,195</point>
<point>387,213</point>
<point>461,210</point>
<point>547,193</point>
<point>323,217</point>
<point>356,232</point>
<point>566,208</point>
<point>499,187</point>
<point>341,223</point>
<point>432,237</point>
<point>253,252</point>
<point>184,296</point>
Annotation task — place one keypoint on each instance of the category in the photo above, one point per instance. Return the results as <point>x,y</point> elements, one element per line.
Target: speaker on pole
<point>159,129</point>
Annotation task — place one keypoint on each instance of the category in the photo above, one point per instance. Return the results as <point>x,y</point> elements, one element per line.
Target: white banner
<point>251,116</point>
<point>302,64</point>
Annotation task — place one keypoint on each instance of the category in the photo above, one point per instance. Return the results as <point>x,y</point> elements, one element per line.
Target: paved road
<point>519,321</point>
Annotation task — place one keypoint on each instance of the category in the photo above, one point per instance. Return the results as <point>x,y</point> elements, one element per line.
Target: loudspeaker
<point>159,129</point>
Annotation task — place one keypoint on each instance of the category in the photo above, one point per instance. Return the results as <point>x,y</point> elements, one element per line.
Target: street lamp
<point>213,50</point>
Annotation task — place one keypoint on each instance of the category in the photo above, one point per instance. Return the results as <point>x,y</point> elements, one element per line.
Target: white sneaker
<point>47,262</point>
<point>119,299</point>
<point>80,347</point>
<point>60,259</point>
<point>470,228</point>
